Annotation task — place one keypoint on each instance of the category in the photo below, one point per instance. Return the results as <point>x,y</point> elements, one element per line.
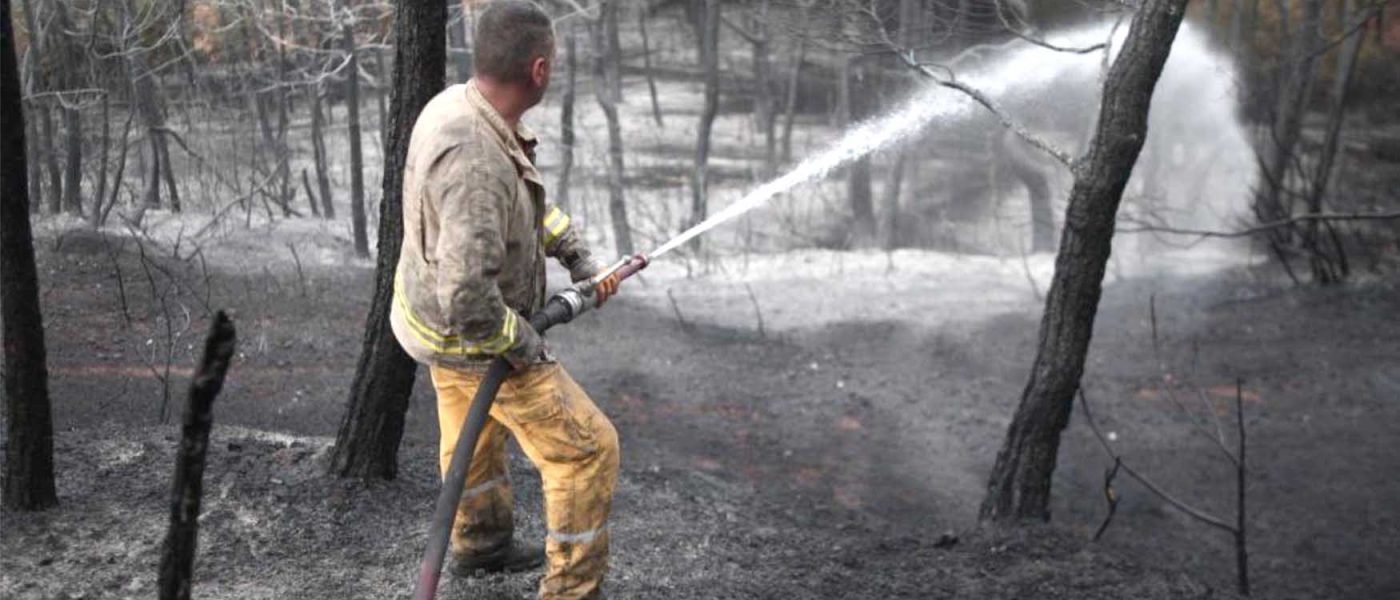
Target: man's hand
<point>606,288</point>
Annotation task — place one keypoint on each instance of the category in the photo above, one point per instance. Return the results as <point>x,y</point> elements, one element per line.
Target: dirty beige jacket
<point>477,230</point>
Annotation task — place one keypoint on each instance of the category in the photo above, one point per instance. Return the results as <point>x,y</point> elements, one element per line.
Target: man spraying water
<point>477,230</point>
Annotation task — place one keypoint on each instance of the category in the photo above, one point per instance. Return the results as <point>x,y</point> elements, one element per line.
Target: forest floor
<point>795,424</point>
<point>828,453</point>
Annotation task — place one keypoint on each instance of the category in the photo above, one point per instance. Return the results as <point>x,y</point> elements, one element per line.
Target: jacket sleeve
<point>470,254</point>
<point>563,242</point>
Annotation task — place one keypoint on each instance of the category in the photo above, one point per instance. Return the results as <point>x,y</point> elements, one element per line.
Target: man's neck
<point>504,98</point>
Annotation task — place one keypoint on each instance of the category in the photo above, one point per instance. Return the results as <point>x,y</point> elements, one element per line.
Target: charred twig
<point>680,318</point>
<point>1189,510</point>
<point>1110,497</point>
<point>296,259</point>
<point>1265,227</point>
<point>756,310</point>
<point>177,555</point>
<point>1236,529</point>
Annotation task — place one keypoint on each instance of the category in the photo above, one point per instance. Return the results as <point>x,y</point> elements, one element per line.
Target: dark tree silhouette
<point>28,469</point>
<point>367,444</point>
<point>1020,482</point>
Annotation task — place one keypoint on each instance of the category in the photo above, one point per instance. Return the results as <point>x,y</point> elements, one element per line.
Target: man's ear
<point>539,71</point>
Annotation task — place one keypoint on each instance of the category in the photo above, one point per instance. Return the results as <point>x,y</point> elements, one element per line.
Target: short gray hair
<point>510,35</point>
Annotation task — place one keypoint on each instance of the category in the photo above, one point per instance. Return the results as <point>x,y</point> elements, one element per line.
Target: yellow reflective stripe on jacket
<point>452,344</point>
<point>555,223</point>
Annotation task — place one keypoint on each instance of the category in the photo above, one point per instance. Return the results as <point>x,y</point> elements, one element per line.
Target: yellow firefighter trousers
<point>569,440</point>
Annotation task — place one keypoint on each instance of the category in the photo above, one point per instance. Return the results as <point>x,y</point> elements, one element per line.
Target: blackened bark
<point>318,152</point>
<point>708,36</point>
<point>70,68</point>
<point>98,197</point>
<point>73,160</point>
<point>764,106</point>
<point>28,470</point>
<point>368,441</point>
<point>1297,74</point>
<point>1037,183</point>
<point>148,106</point>
<point>859,106</point>
<point>187,487</point>
<point>794,81</point>
<point>457,29</point>
<point>566,116</point>
<point>1019,487</point>
<point>892,196</point>
<point>606,78</point>
<point>646,66</point>
<point>284,151</point>
<point>1330,265</point>
<point>357,161</point>
<point>47,147</point>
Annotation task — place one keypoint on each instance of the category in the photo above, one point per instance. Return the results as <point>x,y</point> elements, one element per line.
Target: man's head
<point>515,47</point>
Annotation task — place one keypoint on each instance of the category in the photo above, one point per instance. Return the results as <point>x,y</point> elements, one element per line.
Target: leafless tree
<point>28,470</point>
<point>368,441</point>
<point>707,21</point>
<point>1019,486</point>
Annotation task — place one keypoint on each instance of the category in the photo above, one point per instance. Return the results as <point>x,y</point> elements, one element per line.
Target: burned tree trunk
<point>566,117</point>
<point>367,444</point>
<point>1271,201</point>
<point>607,76</point>
<point>646,66</point>
<point>318,152</point>
<point>458,30</point>
<point>357,161</point>
<point>28,482</point>
<point>708,35</point>
<point>1019,486</point>
<point>187,487</point>
<point>857,107</point>
<point>1329,266</point>
<point>764,107</point>
<point>69,67</point>
<point>45,158</point>
<point>794,81</point>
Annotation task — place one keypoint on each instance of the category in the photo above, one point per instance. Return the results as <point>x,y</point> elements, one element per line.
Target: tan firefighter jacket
<point>476,234</point>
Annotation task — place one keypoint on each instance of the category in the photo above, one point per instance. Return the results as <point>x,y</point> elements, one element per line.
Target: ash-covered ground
<point>824,455</point>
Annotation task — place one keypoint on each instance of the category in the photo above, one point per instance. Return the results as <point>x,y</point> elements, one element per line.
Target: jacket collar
<point>519,142</point>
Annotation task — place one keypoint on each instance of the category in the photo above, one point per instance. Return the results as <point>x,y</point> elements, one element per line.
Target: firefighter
<point>477,231</point>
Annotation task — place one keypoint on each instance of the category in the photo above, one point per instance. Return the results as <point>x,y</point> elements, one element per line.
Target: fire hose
<point>561,308</point>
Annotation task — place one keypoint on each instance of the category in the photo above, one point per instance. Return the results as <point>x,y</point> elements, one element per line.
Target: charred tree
<point>566,116</point>
<point>45,158</point>
<point>607,77</point>
<point>187,487</point>
<point>69,68</point>
<point>1019,486</point>
<point>708,36</point>
<point>646,66</point>
<point>367,444</point>
<point>148,105</point>
<point>794,81</point>
<point>1297,74</point>
<point>458,30</point>
<point>28,471</point>
<point>858,107</point>
<point>318,152</point>
<point>357,161</point>
<point>765,109</point>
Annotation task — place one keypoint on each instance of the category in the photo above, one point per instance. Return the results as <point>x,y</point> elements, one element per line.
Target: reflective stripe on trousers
<point>569,440</point>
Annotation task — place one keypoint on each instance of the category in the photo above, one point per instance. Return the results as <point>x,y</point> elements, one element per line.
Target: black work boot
<point>513,558</point>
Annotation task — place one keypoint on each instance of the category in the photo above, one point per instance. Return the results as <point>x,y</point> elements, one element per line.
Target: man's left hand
<point>607,288</point>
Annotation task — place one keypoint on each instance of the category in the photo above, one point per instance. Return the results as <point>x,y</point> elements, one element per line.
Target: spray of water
<point>1033,79</point>
<point>1031,66</point>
